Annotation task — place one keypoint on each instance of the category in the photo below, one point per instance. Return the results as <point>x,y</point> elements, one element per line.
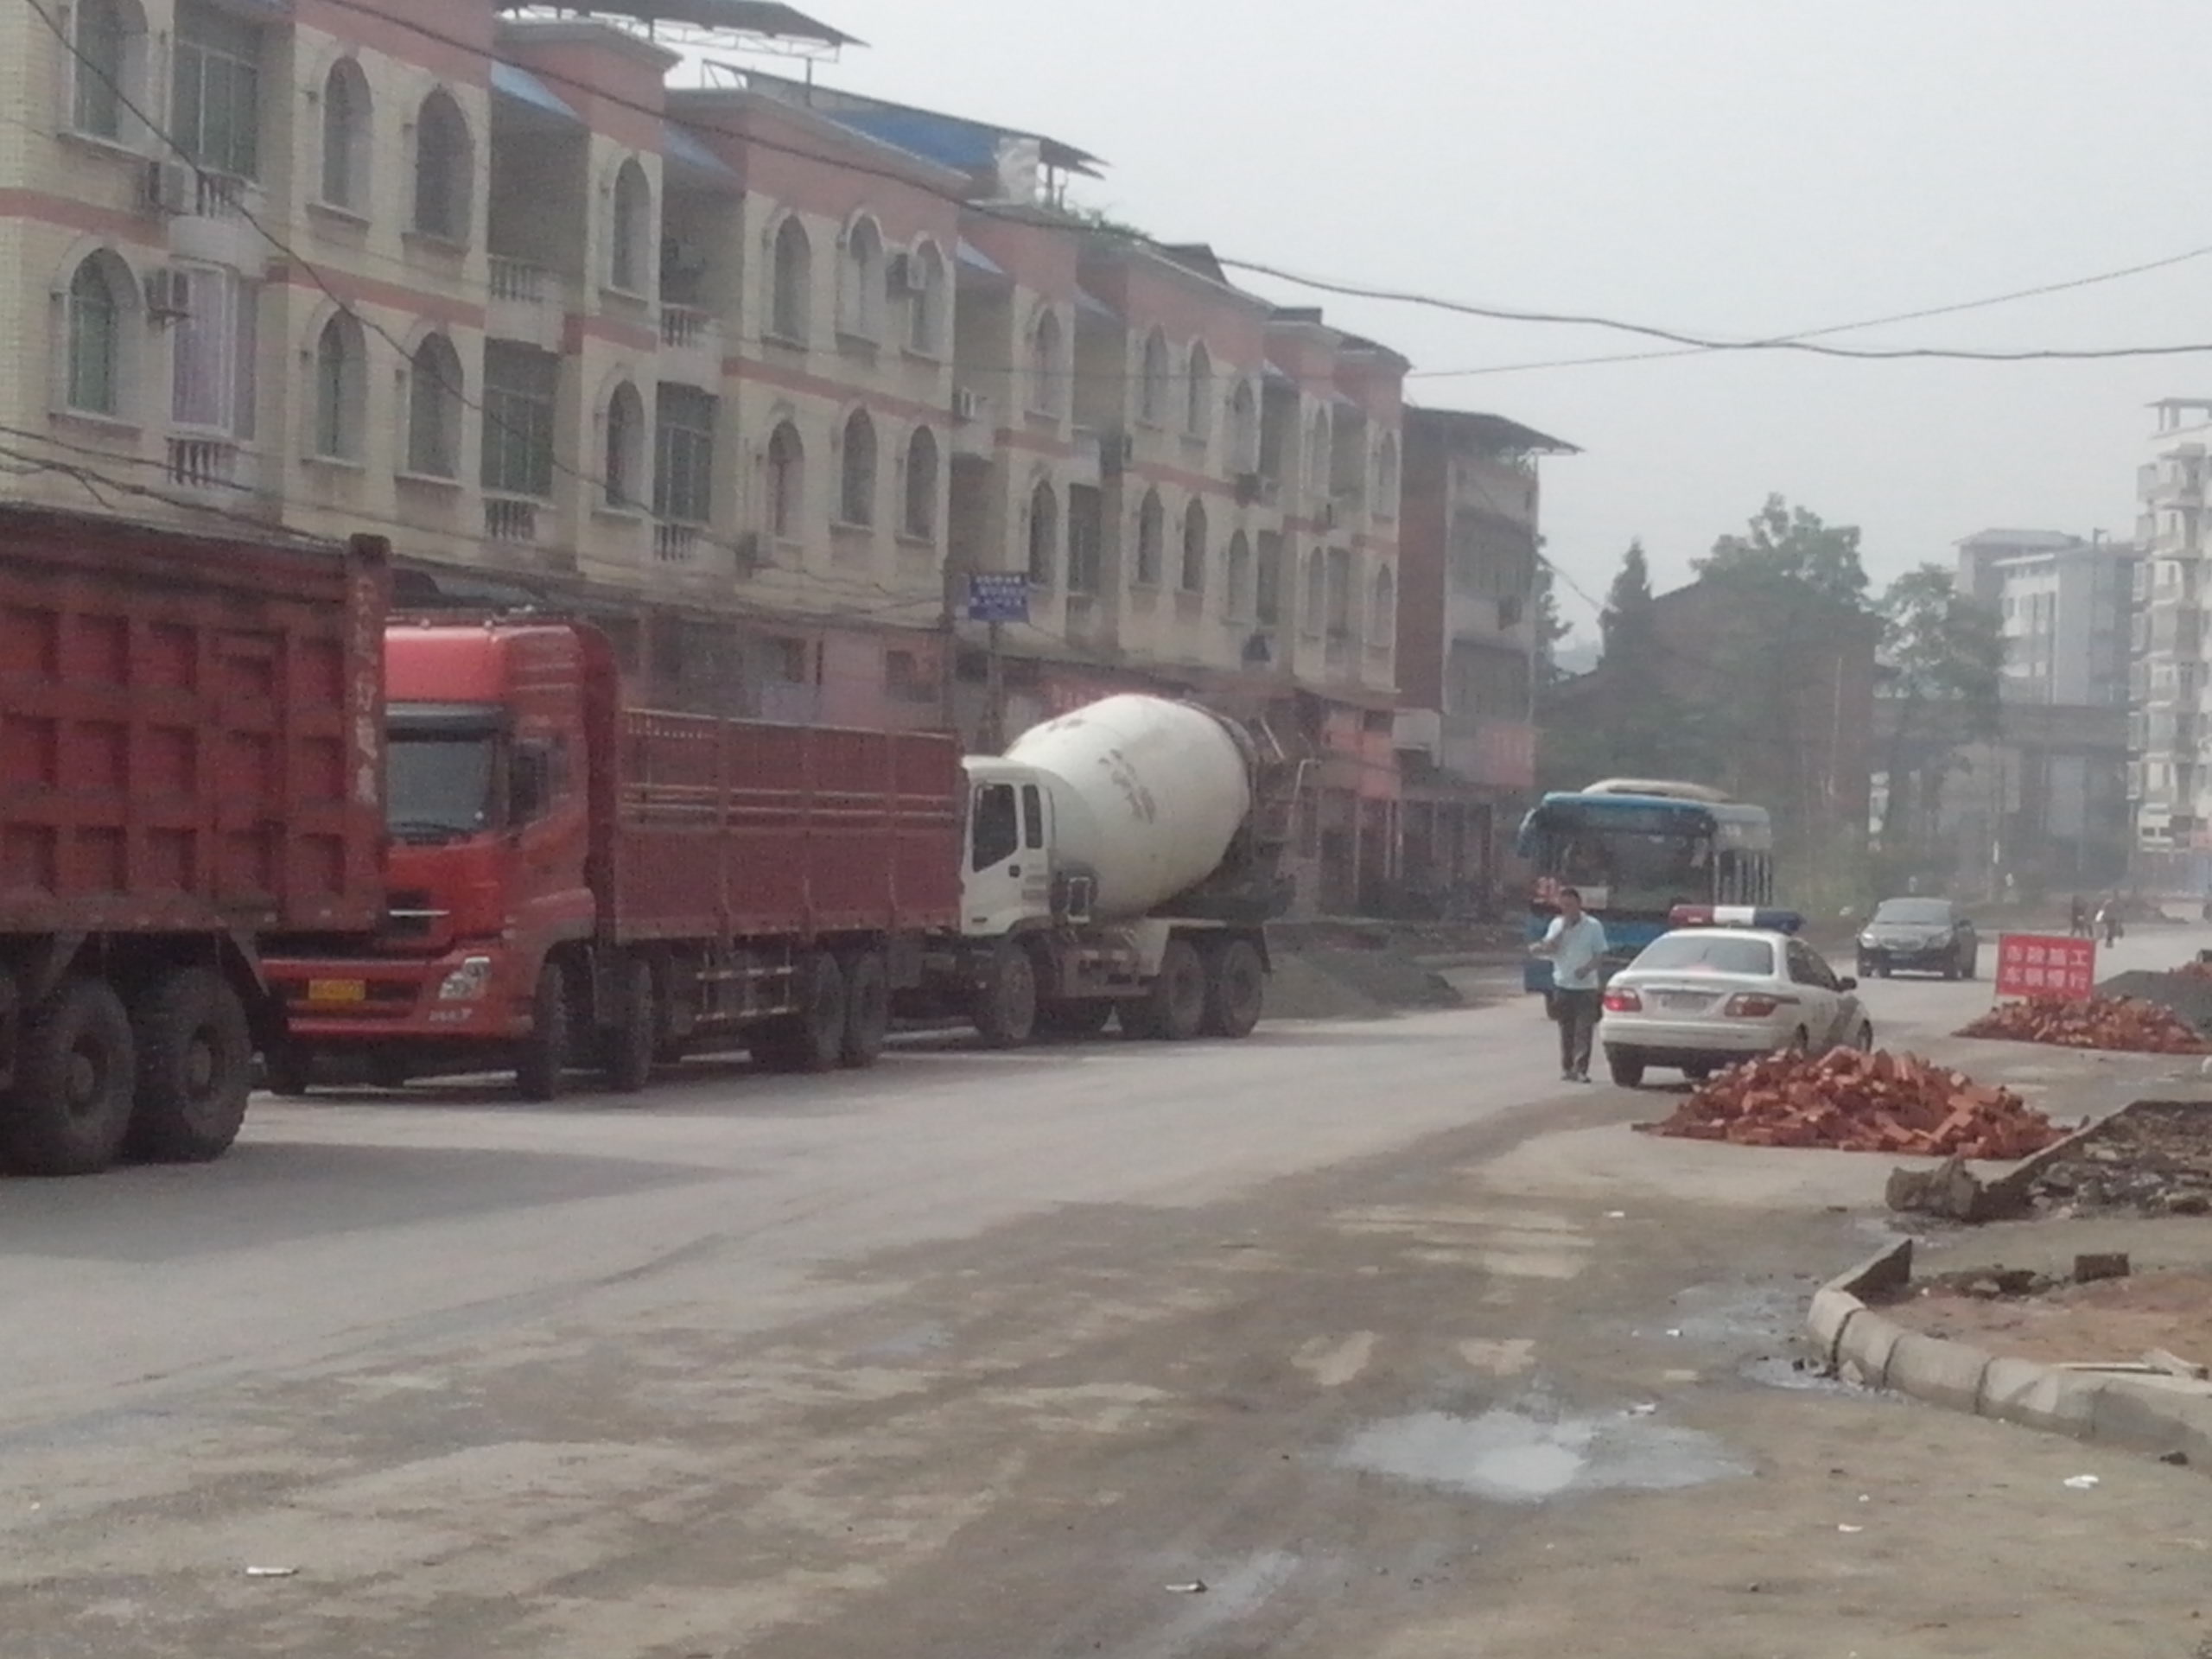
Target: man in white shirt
<point>1575,942</point>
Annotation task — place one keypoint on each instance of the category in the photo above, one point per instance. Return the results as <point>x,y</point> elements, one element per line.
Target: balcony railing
<point>511,519</point>
<point>675,544</point>
<point>517,280</point>
<point>204,463</point>
<point>218,195</point>
<point>685,326</point>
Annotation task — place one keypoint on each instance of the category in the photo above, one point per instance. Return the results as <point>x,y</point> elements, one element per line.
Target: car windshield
<point>1921,912</point>
<point>1707,953</point>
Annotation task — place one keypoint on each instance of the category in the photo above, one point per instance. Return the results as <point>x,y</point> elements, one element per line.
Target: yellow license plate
<point>338,990</point>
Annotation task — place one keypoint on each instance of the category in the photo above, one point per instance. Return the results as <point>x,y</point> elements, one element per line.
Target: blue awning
<point>973,258</point>
<point>527,89</point>
<point>685,148</point>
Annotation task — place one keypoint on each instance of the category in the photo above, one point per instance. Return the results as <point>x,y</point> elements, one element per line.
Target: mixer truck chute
<point>1123,858</point>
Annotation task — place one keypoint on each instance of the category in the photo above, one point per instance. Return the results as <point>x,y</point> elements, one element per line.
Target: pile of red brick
<point>1859,1103</point>
<point>2195,968</point>
<point>2114,1022</point>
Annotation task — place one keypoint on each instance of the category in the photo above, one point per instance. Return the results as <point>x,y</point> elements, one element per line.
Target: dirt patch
<point>2113,1321</point>
<point>2153,1158</point>
<point>1344,971</point>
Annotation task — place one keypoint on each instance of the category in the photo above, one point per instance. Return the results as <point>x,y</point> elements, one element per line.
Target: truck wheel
<point>545,1054</point>
<point>625,1048</point>
<point>1006,1004</point>
<point>389,1069</point>
<point>1236,985</point>
<point>71,1108</point>
<point>812,1039</point>
<point>868,1008</point>
<point>195,1068</point>
<point>1080,1016</point>
<point>288,1070</point>
<point>1174,1009</point>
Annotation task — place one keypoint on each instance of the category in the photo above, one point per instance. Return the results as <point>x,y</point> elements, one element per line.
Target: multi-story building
<point>755,372</point>
<point>2063,604</point>
<point>2167,783</point>
<point>1467,647</point>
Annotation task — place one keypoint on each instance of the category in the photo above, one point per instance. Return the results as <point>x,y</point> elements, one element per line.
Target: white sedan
<point>1708,995</point>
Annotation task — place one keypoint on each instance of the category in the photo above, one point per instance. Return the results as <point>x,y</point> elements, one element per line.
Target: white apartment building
<point>2167,781</point>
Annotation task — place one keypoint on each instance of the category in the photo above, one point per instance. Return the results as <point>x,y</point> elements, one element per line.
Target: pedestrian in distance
<point>2077,918</point>
<point>1575,944</point>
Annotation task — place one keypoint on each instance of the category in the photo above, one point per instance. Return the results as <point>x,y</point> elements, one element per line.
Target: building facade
<point>2166,777</point>
<point>2063,604</point>
<point>754,372</point>
<point>1467,649</point>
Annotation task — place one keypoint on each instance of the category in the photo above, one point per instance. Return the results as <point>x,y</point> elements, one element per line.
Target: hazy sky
<point>1728,167</point>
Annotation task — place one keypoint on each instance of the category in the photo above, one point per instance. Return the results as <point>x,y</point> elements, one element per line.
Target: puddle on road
<point>1797,1373</point>
<point>1515,1457</point>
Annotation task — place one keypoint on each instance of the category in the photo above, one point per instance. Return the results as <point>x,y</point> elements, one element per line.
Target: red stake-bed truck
<point>575,880</point>
<point>191,766</point>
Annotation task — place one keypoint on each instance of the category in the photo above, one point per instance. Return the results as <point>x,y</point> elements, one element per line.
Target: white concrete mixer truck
<point>1122,860</point>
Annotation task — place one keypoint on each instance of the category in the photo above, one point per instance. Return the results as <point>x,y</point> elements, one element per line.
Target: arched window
<point>792,274</point>
<point>1044,534</point>
<point>1197,400</point>
<point>1151,380</point>
<point>1240,575</point>
<point>1194,574</point>
<point>444,164</point>
<point>1386,477</point>
<point>632,228</point>
<point>861,290</point>
<point>434,406</point>
<point>108,51</point>
<point>340,365</point>
<point>1244,429</point>
<point>1317,454</point>
<point>856,482</point>
<point>1047,372</point>
<point>925,300</point>
<point>622,476</point>
<point>345,147</point>
<point>1316,595</point>
<point>787,483</point>
<point>1152,539</point>
<point>97,351</point>
<point>1383,608</point>
<point>921,484</point>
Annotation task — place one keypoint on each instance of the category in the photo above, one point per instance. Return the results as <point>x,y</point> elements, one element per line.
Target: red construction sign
<point>2046,964</point>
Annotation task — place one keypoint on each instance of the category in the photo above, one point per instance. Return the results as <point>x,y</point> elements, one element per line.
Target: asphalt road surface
<point>1390,1341</point>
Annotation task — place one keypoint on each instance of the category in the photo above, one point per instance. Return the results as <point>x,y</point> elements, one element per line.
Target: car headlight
<point>1868,939</point>
<point>466,983</point>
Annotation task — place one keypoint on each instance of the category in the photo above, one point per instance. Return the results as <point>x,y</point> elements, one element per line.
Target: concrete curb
<point>2134,1409</point>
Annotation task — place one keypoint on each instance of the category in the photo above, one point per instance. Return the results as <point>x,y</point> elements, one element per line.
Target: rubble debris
<point>2161,1359</point>
<point>2153,1157</point>
<point>2125,1024</point>
<point>1857,1102</point>
<point>2099,1264</point>
<point>1955,1192</point>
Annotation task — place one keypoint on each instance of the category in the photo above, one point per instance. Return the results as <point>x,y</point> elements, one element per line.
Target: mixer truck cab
<point>1120,861</point>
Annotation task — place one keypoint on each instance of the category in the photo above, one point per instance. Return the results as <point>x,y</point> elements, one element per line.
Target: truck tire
<point>195,1068</point>
<point>71,1108</point>
<point>390,1068</point>
<point>1237,987</point>
<point>1006,1002</point>
<point>288,1070</point>
<point>627,1047</point>
<point>543,1055</point>
<point>813,1038</point>
<point>1076,1017</point>
<point>1174,1009</point>
<point>868,1008</point>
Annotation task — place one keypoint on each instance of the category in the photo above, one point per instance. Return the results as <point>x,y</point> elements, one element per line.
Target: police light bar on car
<point>1779,921</point>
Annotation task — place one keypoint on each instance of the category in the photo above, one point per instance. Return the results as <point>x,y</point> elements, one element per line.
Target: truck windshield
<point>438,781</point>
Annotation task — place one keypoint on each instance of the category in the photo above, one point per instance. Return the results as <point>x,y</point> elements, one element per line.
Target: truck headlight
<point>466,983</point>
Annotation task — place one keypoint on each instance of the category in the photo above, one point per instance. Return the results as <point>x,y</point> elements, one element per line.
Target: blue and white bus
<point>1637,848</point>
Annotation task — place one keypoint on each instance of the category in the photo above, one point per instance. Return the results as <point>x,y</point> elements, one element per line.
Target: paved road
<point>1395,1344</point>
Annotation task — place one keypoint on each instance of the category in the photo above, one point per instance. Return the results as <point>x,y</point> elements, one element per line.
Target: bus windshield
<point>1635,869</point>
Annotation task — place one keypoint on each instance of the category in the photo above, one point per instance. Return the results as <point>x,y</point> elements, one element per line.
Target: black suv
<point>1932,935</point>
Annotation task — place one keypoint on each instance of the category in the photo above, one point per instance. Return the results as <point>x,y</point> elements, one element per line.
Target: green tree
<point>1551,627</point>
<point>1945,655</point>
<point>1625,624</point>
<point>1790,544</point>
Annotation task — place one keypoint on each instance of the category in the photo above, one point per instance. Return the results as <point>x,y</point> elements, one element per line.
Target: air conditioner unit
<point>966,405</point>
<point>166,188</point>
<point>168,294</point>
<point>1247,488</point>
<point>899,273</point>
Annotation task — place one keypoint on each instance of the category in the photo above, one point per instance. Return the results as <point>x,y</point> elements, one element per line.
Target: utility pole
<point>992,737</point>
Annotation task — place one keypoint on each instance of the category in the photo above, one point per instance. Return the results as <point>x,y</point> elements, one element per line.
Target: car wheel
<point>1627,1069</point>
<point>1697,1073</point>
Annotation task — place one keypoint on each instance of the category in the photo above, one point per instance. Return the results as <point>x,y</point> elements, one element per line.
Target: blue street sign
<point>998,596</point>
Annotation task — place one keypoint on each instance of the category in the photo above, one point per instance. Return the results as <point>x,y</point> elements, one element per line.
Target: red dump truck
<point>191,768</point>
<point>577,881</point>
